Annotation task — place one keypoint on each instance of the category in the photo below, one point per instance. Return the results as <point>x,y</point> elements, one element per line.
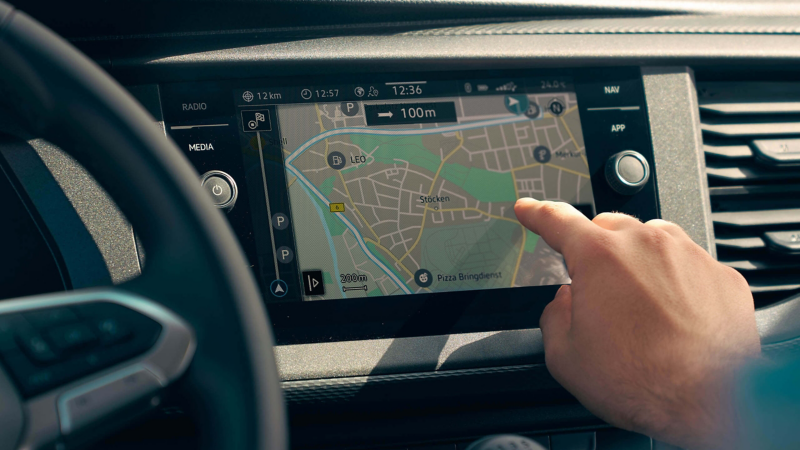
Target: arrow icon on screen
<point>386,114</point>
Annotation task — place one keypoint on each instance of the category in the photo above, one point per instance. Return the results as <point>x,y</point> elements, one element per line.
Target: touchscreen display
<point>397,188</point>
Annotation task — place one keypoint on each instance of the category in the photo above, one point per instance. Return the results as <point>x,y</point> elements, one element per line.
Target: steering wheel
<point>78,362</point>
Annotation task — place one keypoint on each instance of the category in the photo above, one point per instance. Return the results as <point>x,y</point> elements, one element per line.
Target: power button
<point>221,188</point>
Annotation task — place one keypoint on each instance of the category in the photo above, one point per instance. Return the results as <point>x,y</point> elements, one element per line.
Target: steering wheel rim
<point>195,266</point>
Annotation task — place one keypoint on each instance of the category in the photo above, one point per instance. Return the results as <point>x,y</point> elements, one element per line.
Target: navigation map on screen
<point>416,195</point>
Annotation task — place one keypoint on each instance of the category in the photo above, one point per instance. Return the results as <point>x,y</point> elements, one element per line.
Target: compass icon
<point>247,96</point>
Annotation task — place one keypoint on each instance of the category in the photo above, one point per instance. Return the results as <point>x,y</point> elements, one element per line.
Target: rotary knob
<point>627,172</point>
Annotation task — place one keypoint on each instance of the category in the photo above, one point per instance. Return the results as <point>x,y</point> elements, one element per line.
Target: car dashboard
<point>328,133</point>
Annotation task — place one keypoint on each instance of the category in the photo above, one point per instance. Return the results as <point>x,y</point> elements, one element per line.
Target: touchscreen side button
<point>221,188</point>
<point>627,172</point>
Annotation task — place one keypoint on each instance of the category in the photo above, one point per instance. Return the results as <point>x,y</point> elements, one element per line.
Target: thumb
<point>555,322</point>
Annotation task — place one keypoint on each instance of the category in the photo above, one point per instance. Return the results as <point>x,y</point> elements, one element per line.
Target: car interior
<point>289,224</point>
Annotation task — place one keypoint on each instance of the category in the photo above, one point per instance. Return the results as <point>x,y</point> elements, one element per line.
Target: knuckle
<point>613,219</point>
<point>695,250</point>
<point>667,226</point>
<point>604,217</point>
<point>661,223</point>
<point>607,219</point>
<point>657,239</point>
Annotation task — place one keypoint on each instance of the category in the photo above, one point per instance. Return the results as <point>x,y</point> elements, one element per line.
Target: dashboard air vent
<point>751,137</point>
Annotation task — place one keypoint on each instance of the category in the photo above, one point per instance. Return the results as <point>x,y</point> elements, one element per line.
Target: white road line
<point>412,132</point>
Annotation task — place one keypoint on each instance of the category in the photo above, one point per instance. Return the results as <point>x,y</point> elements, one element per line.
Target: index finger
<point>556,222</point>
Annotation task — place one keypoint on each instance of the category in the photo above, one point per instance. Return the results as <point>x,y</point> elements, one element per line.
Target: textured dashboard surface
<point>348,389</point>
<point>91,17</point>
<point>628,25</point>
<point>419,354</point>
<point>108,227</point>
<point>678,151</point>
<point>82,259</point>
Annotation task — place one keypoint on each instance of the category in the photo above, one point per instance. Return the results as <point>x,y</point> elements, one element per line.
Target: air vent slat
<point>755,264</point>
<point>748,173</point>
<point>752,129</point>
<point>729,151</point>
<point>726,191</point>
<point>751,134</point>
<point>757,218</point>
<point>740,242</point>
<point>759,287</point>
<point>737,108</point>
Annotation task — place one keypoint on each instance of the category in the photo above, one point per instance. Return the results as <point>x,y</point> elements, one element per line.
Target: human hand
<point>652,331</point>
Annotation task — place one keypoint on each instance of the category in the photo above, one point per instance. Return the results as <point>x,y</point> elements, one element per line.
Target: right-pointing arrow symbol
<point>386,114</point>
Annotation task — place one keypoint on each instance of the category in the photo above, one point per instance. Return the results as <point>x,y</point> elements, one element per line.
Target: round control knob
<point>221,188</point>
<point>627,172</point>
<point>505,442</point>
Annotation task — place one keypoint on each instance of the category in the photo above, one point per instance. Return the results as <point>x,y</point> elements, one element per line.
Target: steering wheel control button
<point>221,188</point>
<point>37,348</point>
<point>50,317</point>
<point>111,330</point>
<point>279,288</point>
<point>10,324</point>
<point>105,334</point>
<point>627,172</point>
<point>71,337</point>
<point>93,401</point>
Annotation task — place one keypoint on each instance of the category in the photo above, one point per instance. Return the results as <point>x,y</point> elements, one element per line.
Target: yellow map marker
<point>337,207</point>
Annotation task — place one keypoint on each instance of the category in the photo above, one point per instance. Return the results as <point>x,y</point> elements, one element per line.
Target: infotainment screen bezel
<point>600,92</point>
